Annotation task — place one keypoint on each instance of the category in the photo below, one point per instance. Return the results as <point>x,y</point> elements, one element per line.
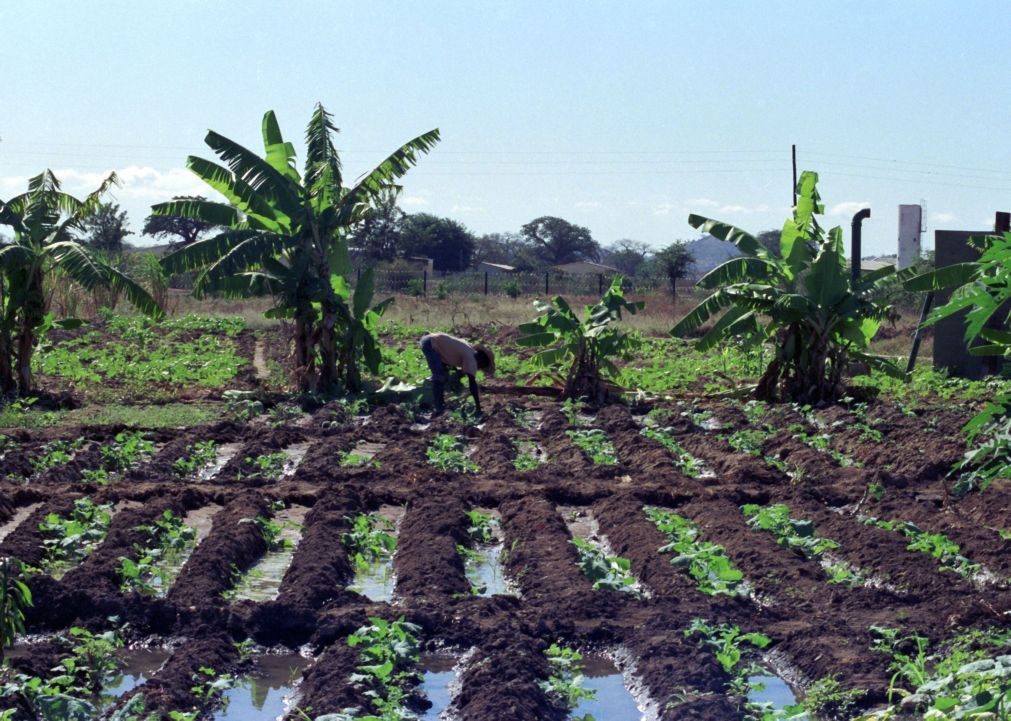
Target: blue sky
<point>620,116</point>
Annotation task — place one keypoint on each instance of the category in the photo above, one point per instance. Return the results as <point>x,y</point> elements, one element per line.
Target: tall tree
<point>448,243</point>
<point>628,256</point>
<point>285,235</point>
<point>675,261</point>
<point>506,248</point>
<point>44,220</point>
<point>106,228</point>
<point>187,230</point>
<point>377,237</point>
<point>557,241</point>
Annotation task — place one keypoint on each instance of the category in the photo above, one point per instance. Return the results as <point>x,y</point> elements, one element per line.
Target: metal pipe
<point>855,238</point>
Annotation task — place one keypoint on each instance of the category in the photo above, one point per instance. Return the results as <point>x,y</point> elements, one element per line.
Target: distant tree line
<point>388,234</point>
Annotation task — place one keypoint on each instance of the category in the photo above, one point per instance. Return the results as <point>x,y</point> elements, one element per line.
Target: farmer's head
<point>485,360</point>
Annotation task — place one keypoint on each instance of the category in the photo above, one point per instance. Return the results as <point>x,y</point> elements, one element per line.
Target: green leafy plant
<point>92,664</point>
<point>482,526</point>
<point>197,456</point>
<point>446,453</point>
<point>683,460</point>
<point>267,466</point>
<point>566,680</point>
<point>800,299</point>
<point>963,681</point>
<point>285,236</point>
<point>983,288</point>
<point>208,685</point>
<point>242,405</point>
<point>388,651</point>
<point>526,458</point>
<point>369,540</point>
<point>127,448</point>
<point>800,536</point>
<point>351,459</point>
<point>611,573</point>
<point>70,539</point>
<point>936,545</point>
<point>44,220</point>
<point>707,562</point>
<point>55,453</point>
<point>595,444</point>
<point>15,598</point>
<point>726,641</point>
<point>271,532</point>
<point>581,352</point>
<point>168,540</point>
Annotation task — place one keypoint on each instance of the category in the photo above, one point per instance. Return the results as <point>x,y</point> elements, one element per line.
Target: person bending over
<point>442,350</point>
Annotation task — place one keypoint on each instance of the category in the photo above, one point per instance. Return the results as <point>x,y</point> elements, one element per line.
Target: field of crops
<point>687,547</point>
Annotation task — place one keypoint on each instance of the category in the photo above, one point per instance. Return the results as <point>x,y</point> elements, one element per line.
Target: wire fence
<point>423,283</point>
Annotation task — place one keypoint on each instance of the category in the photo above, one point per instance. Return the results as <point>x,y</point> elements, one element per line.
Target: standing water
<point>266,693</point>
<point>767,688</point>
<point>377,580</point>
<point>295,455</point>
<point>483,563</point>
<point>612,700</point>
<point>439,675</point>
<point>263,581</point>
<point>201,520</point>
<point>137,666</point>
<point>222,455</point>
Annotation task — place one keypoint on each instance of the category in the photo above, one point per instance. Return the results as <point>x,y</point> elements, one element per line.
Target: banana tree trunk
<point>304,353</point>
<point>8,383</point>
<point>328,379</point>
<point>32,316</point>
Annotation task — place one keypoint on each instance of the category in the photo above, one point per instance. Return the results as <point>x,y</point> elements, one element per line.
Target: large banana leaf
<point>371,186</point>
<point>739,270</point>
<point>257,209</point>
<point>218,214</point>
<point>248,167</point>
<point>748,244</point>
<point>950,276</point>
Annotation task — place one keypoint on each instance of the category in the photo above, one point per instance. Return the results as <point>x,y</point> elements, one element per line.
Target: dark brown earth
<point>818,629</point>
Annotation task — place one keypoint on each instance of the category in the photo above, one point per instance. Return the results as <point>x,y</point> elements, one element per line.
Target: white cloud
<point>136,183</point>
<point>413,201</point>
<point>703,202</point>
<point>850,207</point>
<point>663,208</point>
<point>465,209</point>
<point>587,204</point>
<point>743,209</point>
<point>942,217</point>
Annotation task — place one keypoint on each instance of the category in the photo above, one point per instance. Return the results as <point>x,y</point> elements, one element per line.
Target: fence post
<point>600,284</point>
<point>547,290</point>
<point>424,282</point>
<point>486,282</point>
<point>358,274</point>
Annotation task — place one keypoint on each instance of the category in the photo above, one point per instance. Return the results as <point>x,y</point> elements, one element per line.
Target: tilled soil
<point>817,629</point>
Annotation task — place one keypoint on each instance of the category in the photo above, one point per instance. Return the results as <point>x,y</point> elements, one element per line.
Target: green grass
<point>169,415</point>
<point>135,351</point>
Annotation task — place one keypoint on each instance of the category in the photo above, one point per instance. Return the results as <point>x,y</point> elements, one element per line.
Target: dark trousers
<point>435,364</point>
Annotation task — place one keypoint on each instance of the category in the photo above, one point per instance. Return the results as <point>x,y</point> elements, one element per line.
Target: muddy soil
<point>898,473</point>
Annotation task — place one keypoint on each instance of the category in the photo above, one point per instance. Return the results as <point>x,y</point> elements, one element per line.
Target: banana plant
<point>284,235</point>
<point>802,300</point>
<point>982,290</point>
<point>581,352</point>
<point>15,597</point>
<point>44,220</point>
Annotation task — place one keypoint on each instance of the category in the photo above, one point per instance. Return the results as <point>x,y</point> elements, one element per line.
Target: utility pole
<point>793,152</point>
